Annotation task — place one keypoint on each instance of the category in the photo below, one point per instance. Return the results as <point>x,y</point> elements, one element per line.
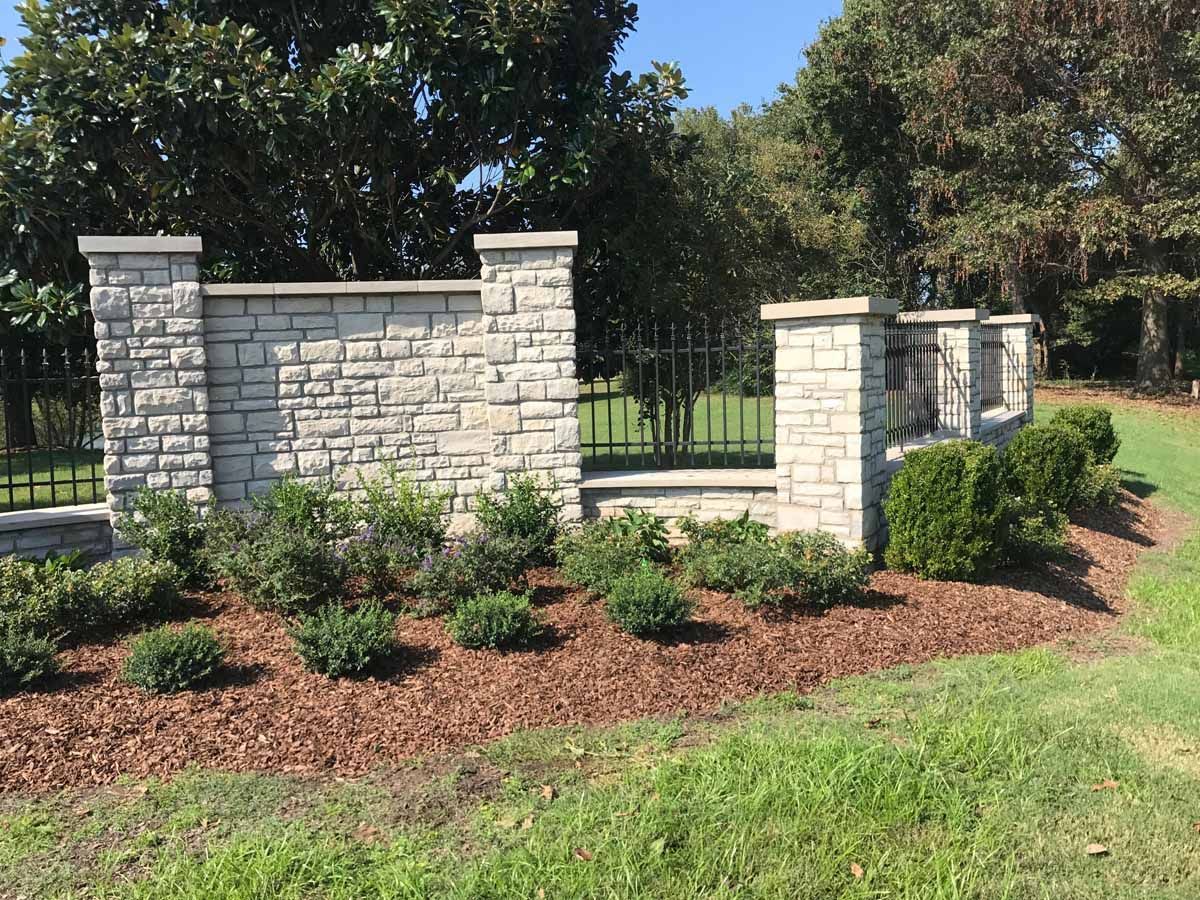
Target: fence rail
<point>53,452</point>
<point>994,369</point>
<point>913,362</point>
<point>666,396</point>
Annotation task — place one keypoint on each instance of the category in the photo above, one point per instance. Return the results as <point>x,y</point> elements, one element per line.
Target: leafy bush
<point>947,511</point>
<point>405,518</point>
<point>476,563</point>
<point>167,526</point>
<point>741,530</point>
<point>164,661</point>
<point>821,569</point>
<point>596,555</point>
<point>45,599</point>
<point>225,530</point>
<point>1095,423</point>
<point>1035,534</point>
<point>527,511</point>
<point>335,641</point>
<point>494,621</point>
<point>314,508</point>
<point>25,658</point>
<point>646,601</point>
<point>284,569</point>
<point>1046,465</point>
<point>1101,488</point>
<point>649,530</point>
<point>134,589</point>
<point>751,570</point>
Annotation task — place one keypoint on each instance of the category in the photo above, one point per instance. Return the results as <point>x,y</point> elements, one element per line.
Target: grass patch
<point>41,479</point>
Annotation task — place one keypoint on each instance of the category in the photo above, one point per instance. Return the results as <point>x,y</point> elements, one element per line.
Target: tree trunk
<point>18,416</point>
<point>1154,353</point>
<point>1014,285</point>
<point>1182,322</point>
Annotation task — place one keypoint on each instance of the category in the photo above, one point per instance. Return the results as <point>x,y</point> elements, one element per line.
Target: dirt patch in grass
<point>269,714</point>
<point>1179,400</point>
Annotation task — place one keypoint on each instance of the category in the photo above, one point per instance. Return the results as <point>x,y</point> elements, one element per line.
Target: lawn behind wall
<point>1065,772</point>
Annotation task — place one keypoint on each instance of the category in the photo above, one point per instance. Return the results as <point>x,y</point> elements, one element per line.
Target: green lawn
<point>987,777</point>
<point>40,479</point>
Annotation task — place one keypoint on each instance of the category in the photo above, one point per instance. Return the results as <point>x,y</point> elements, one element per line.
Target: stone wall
<point>710,494</point>
<point>36,533</point>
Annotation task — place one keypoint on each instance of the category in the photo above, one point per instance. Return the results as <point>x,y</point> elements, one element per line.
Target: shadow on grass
<point>1134,483</point>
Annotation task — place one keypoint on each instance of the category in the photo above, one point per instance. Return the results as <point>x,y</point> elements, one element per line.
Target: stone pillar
<point>151,360</point>
<point>830,409</point>
<point>531,387</point>
<point>960,384</point>
<point>1017,378</point>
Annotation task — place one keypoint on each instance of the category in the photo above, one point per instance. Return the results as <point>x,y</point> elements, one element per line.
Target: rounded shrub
<point>597,555</point>
<point>646,601</point>
<point>167,526</point>
<point>494,621</point>
<point>527,511</point>
<point>1047,465</point>
<point>25,658</point>
<point>134,589</point>
<point>1101,488</point>
<point>48,600</point>
<point>473,564</point>
<point>286,570</point>
<point>337,642</point>
<point>947,511</point>
<point>164,661</point>
<point>1095,423</point>
<point>822,569</point>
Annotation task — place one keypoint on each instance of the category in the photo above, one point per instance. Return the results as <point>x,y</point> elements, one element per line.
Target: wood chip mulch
<point>89,728</point>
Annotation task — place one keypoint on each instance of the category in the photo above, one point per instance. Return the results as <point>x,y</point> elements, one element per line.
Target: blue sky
<point>731,51</point>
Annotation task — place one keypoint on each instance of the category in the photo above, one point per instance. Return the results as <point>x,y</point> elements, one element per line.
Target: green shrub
<point>1046,465</point>
<point>25,658</point>
<point>596,555</point>
<point>45,599</point>
<point>645,601</point>
<point>337,642</point>
<point>284,569</point>
<point>1035,535</point>
<point>947,511</point>
<point>164,661</point>
<point>1095,423</point>
<point>312,507</point>
<point>225,530</point>
<point>822,570</point>
<point>751,570</point>
<point>649,530</point>
<point>404,518</point>
<point>134,589</point>
<point>494,621</point>
<point>167,526</point>
<point>474,564</point>
<point>1101,488</point>
<point>741,530</point>
<point>527,511</point>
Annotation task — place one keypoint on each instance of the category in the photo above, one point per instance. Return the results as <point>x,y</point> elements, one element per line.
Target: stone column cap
<point>946,315</point>
<point>527,240</point>
<point>1017,319</point>
<point>115,244</point>
<point>841,306</point>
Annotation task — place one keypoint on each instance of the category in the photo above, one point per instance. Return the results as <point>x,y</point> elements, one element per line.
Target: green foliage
<point>1095,424</point>
<point>25,658</point>
<point>338,642</point>
<point>822,570</point>
<point>494,621</point>
<point>225,530</point>
<point>596,555</point>
<point>164,661</point>
<point>402,515</point>
<point>47,600</point>
<point>527,511</point>
<point>1035,535</point>
<point>1046,465</point>
<point>649,530</point>
<point>134,589</point>
<point>312,507</point>
<point>167,526</point>
<point>742,530</point>
<point>749,570</point>
<point>646,601</point>
<point>474,564</point>
<point>282,569</point>
<point>947,511</point>
<point>1101,488</point>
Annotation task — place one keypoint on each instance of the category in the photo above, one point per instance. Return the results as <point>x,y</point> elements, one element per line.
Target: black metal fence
<point>53,451</point>
<point>994,369</point>
<point>914,360</point>
<point>667,396</point>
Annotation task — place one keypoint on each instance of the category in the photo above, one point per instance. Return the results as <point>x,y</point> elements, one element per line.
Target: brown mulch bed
<point>270,715</point>
<point>1119,394</point>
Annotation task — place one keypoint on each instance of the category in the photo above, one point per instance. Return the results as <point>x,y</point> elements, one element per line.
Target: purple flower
<point>427,564</point>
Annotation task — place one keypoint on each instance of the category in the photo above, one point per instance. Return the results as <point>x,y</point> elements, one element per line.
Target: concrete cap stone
<point>116,244</point>
<point>530,240</point>
<point>945,315</point>
<point>842,306</point>
<point>1018,319</point>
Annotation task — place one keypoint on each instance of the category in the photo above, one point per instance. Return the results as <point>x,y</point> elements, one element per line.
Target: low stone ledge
<point>1018,319</point>
<point>1000,417</point>
<point>49,518</point>
<point>944,315</point>
<point>680,478</point>
<point>336,288</point>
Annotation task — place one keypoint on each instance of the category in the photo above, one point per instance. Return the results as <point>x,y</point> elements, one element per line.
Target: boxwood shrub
<point>947,511</point>
<point>338,642</point>
<point>167,527</point>
<point>25,658</point>
<point>1095,423</point>
<point>596,555</point>
<point>284,569</point>
<point>494,621</point>
<point>1047,465</point>
<point>646,601</point>
<point>164,661</point>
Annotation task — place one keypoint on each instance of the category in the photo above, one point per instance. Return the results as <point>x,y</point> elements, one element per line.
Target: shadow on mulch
<point>404,662</point>
<point>694,634</point>
<point>64,681</point>
<point>1120,522</point>
<point>236,676</point>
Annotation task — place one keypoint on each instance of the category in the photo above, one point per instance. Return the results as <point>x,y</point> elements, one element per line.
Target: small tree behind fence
<point>666,395</point>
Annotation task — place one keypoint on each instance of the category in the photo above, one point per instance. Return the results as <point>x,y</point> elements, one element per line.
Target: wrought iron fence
<point>913,360</point>
<point>663,396</point>
<point>53,451</point>
<point>994,370</point>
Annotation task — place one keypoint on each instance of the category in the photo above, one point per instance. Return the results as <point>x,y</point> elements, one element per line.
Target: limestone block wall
<point>704,494</point>
<point>36,533</point>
